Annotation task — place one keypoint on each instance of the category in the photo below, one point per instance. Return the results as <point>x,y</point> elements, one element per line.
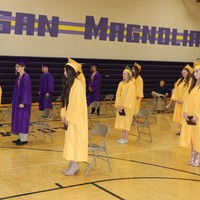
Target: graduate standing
<point>125,104</point>
<point>94,86</point>
<point>190,134</point>
<point>180,92</point>
<point>46,88</point>
<point>138,81</point>
<point>80,74</point>
<point>21,104</point>
<point>74,116</point>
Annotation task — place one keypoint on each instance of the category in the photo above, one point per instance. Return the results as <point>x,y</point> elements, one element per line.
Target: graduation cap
<point>197,62</point>
<point>138,66</point>
<point>73,65</point>
<point>128,70</point>
<point>78,66</point>
<point>197,66</point>
<point>21,62</point>
<point>45,65</point>
<point>189,68</point>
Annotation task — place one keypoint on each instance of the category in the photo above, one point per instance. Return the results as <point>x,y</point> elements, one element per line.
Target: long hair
<point>187,80</point>
<point>137,73</point>
<point>67,84</point>
<point>193,83</point>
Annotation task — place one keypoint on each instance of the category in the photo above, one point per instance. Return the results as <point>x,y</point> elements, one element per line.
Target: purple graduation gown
<point>95,84</point>
<point>46,85</point>
<point>22,94</point>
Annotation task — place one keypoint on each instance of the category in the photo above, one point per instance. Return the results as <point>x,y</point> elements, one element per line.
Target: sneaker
<point>119,141</point>
<point>124,141</point>
<point>21,143</point>
<point>162,96</point>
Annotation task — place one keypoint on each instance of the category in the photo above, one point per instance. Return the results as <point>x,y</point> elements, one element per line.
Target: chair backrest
<point>95,105</point>
<point>150,104</point>
<point>58,100</point>
<point>46,113</point>
<point>144,113</point>
<point>109,97</point>
<point>100,130</point>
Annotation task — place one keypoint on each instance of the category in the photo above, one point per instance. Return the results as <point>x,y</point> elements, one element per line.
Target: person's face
<point>125,76</point>
<point>65,72</point>
<point>197,73</point>
<point>162,83</point>
<point>93,69</point>
<point>133,69</point>
<point>19,68</point>
<point>184,73</point>
<point>45,69</point>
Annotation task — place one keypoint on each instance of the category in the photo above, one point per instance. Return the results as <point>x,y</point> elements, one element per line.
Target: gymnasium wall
<point>156,30</point>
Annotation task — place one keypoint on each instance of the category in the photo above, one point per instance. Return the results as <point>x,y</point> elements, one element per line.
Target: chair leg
<point>108,160</point>
<point>138,136</point>
<point>90,166</point>
<point>150,134</point>
<point>94,156</point>
<point>36,136</point>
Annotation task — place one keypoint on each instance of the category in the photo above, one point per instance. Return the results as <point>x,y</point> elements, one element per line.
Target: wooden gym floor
<point>142,171</point>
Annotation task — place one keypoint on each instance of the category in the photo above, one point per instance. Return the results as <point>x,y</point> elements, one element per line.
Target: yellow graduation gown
<point>76,136</point>
<point>180,92</point>
<point>125,97</point>
<point>81,78</point>
<point>139,93</point>
<point>0,95</point>
<point>189,133</point>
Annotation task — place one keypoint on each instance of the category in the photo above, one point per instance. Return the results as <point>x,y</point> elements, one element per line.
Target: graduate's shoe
<point>124,141</point>
<point>196,162</point>
<point>68,168</point>
<point>15,141</point>
<point>162,96</point>
<point>21,142</point>
<point>193,157</point>
<point>74,170</point>
<point>119,141</point>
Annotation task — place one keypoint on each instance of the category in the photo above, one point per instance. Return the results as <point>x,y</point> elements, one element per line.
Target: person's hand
<point>179,101</point>
<point>138,97</point>
<point>90,89</point>
<point>119,108</point>
<point>47,94</point>
<point>194,119</point>
<point>21,105</point>
<point>64,121</point>
<point>167,94</point>
<point>186,116</point>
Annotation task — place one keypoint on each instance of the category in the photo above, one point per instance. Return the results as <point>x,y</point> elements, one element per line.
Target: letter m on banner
<point>91,29</point>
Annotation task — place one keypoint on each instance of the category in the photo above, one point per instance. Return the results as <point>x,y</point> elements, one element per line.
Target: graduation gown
<point>76,136</point>
<point>139,93</point>
<point>0,95</point>
<point>22,94</point>
<point>125,97</point>
<point>179,93</point>
<point>190,133</point>
<point>95,84</point>
<point>46,85</point>
<point>81,78</point>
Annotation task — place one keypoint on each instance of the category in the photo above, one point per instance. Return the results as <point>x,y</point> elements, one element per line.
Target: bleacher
<point>111,71</point>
